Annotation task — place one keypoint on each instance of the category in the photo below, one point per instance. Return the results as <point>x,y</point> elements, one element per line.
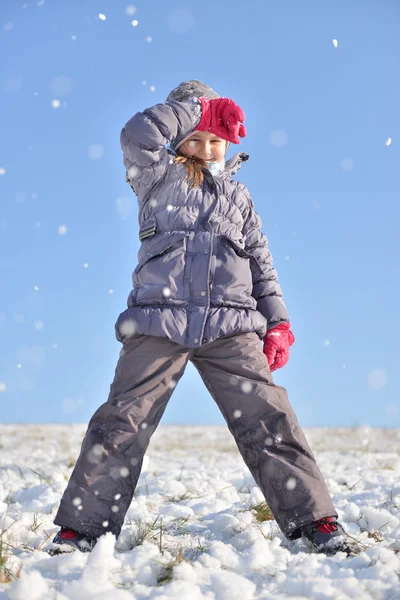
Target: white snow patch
<point>195,490</point>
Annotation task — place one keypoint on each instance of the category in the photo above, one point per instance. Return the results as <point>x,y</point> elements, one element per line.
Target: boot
<point>329,537</point>
<point>68,540</point>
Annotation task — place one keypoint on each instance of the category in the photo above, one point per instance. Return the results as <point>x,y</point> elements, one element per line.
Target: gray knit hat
<point>188,89</point>
<point>183,93</point>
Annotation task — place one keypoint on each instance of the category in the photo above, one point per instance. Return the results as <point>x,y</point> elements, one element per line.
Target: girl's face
<point>205,145</point>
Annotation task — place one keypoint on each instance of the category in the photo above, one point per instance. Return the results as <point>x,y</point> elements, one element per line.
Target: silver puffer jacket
<point>204,268</point>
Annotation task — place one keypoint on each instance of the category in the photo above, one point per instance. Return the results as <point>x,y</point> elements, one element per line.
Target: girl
<point>204,290</point>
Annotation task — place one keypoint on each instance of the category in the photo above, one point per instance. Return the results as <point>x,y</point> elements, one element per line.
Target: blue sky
<point>322,172</point>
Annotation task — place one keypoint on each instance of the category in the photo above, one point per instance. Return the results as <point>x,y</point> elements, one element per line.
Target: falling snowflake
<point>335,43</point>
<point>166,292</point>
<point>143,425</point>
<point>144,82</point>
<point>36,288</point>
<point>115,508</point>
<point>128,327</point>
<point>20,197</point>
<point>237,414</point>
<point>13,83</point>
<point>347,164</point>
<point>3,386</point>
<point>55,103</point>
<point>110,291</point>
<point>278,138</point>
<point>130,10</point>
<point>246,387</point>
<point>73,37</point>
<point>152,88</point>
<point>97,449</point>
<point>105,523</point>
<point>291,483</point>
<point>269,441</point>
<point>55,346</point>
<point>2,171</point>
<point>117,496</point>
<point>19,366</point>
<point>316,204</point>
<point>85,265</point>
<point>149,39</point>
<point>95,151</point>
<point>102,17</point>
<point>8,26</point>
<point>62,229</point>
<point>133,171</point>
<point>327,343</point>
<point>134,23</point>
<point>69,405</point>
<point>377,379</point>
<point>124,206</point>
<point>77,501</point>
<point>172,384</point>
<point>388,141</point>
<point>39,325</point>
<point>181,21</point>
<point>124,472</point>
<point>61,85</point>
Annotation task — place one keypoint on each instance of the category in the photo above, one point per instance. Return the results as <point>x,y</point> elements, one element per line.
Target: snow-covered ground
<point>192,531</point>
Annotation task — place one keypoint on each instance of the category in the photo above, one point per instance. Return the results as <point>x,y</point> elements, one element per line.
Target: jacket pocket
<point>157,247</point>
<point>238,247</point>
<point>161,265</point>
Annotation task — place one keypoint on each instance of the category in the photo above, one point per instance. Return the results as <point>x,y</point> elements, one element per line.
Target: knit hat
<point>183,93</point>
<point>188,89</point>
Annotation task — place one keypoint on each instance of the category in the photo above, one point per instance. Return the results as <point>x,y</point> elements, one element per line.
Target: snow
<point>191,531</point>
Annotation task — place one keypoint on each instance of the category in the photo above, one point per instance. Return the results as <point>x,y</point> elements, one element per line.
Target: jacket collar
<point>233,165</point>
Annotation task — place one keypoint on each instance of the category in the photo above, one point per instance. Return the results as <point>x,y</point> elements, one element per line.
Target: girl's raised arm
<point>145,135</point>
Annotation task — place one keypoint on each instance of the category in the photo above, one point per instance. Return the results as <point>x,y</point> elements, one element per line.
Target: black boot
<point>329,537</point>
<point>68,540</point>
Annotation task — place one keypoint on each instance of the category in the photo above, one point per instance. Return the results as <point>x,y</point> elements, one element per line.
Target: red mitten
<point>223,117</point>
<point>276,345</point>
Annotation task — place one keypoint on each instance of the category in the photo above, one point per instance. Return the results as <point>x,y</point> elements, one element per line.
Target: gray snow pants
<point>257,412</point>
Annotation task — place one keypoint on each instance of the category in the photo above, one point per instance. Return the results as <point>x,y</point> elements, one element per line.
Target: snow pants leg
<point>266,431</point>
<point>104,479</point>
<point>257,412</point>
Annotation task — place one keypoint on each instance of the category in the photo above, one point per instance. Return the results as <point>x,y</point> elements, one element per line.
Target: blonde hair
<point>194,166</point>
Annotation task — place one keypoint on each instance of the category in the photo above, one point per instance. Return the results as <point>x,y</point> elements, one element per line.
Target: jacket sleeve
<point>144,137</point>
<point>266,289</point>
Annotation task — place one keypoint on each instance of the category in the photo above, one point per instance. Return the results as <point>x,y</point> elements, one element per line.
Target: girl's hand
<point>276,345</point>
<point>223,117</point>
